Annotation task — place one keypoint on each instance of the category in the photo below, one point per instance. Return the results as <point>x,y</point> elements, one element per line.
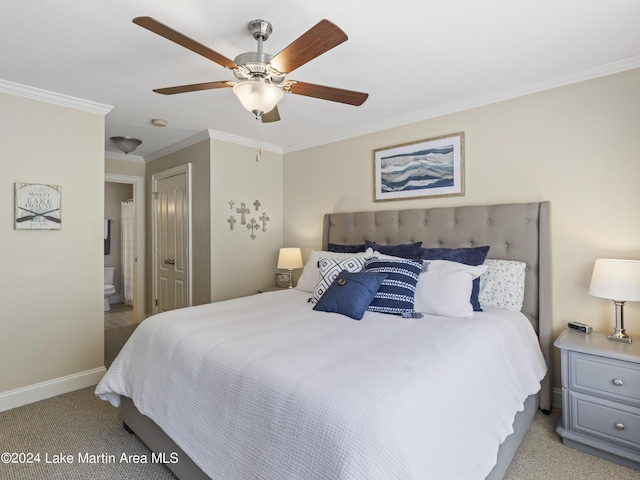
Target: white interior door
<point>172,232</point>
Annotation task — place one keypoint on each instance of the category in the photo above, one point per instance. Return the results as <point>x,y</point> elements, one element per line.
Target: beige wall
<point>241,265</point>
<point>51,316</point>
<point>198,156</point>
<point>577,146</point>
<point>132,168</point>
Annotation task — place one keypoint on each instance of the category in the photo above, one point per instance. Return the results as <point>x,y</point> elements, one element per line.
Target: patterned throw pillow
<point>502,286</point>
<point>396,294</point>
<point>329,269</point>
<point>310,273</point>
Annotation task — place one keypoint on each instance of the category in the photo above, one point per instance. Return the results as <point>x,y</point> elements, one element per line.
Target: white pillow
<point>329,268</point>
<point>502,286</point>
<point>310,274</point>
<point>444,289</point>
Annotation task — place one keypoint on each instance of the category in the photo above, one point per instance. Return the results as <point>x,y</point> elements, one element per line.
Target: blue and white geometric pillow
<point>396,295</point>
<point>329,269</point>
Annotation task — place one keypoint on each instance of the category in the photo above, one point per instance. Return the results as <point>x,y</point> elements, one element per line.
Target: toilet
<point>109,289</point>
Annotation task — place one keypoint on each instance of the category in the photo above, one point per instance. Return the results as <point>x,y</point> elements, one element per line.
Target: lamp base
<point>617,336</point>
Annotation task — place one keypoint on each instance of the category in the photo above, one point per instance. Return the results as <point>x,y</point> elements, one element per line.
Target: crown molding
<point>612,68</point>
<point>187,142</point>
<point>210,135</point>
<point>247,142</point>
<point>52,97</point>
<point>122,156</point>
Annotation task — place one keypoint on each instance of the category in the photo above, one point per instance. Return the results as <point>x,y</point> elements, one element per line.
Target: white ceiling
<point>417,59</point>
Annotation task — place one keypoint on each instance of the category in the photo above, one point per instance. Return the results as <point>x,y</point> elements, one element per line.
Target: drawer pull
<point>620,426</point>
<point>617,382</point>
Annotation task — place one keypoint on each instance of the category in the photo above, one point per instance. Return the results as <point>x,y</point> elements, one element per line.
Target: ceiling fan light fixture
<point>258,96</point>
<point>126,144</point>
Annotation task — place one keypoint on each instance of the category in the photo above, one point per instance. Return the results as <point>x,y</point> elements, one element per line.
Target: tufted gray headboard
<point>515,231</point>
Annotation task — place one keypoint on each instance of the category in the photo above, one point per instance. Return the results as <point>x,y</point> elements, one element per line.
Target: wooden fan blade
<point>272,116</point>
<point>193,87</point>
<point>163,30</point>
<point>328,93</point>
<point>319,39</point>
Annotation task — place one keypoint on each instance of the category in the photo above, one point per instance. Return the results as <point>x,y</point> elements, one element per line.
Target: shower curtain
<point>126,250</point>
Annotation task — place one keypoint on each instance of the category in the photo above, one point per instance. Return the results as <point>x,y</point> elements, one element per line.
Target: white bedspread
<point>305,395</point>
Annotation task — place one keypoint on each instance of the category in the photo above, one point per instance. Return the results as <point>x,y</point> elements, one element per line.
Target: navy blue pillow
<point>350,293</point>
<point>403,250</point>
<point>335,247</point>
<point>469,256</point>
<point>397,292</point>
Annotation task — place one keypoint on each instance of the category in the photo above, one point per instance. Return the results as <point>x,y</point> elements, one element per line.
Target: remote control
<point>579,327</point>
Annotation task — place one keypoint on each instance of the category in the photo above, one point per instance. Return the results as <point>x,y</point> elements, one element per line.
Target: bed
<point>285,391</point>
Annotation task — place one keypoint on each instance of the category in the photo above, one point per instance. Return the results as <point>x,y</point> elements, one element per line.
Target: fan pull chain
<point>258,146</point>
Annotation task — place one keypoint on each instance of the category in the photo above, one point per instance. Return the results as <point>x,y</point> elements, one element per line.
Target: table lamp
<point>618,280</point>
<point>289,259</point>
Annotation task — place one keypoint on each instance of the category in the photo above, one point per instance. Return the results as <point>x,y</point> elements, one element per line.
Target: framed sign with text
<point>38,206</point>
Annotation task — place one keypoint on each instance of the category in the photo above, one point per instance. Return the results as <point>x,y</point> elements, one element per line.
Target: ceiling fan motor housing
<point>251,65</point>
<point>255,65</point>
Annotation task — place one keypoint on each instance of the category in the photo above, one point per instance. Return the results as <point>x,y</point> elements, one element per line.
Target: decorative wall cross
<point>253,226</point>
<point>264,219</point>
<point>243,210</point>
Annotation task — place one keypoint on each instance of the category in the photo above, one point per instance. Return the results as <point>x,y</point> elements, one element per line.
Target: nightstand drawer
<point>604,419</point>
<point>605,376</point>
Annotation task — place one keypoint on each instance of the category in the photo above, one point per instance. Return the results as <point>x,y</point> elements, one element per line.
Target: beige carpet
<point>75,423</point>
<point>79,423</point>
<point>542,456</point>
<point>120,315</point>
<point>114,339</point>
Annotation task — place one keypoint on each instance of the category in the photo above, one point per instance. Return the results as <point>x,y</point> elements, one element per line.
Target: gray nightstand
<point>601,396</point>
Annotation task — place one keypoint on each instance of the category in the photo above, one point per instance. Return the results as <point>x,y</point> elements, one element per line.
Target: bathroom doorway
<point>128,302</point>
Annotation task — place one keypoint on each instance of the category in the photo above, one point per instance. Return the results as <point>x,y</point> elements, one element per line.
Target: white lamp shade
<point>290,258</point>
<point>616,280</point>
<point>258,97</point>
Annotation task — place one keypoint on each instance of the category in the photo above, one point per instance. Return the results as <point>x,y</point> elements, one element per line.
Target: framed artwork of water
<point>427,168</point>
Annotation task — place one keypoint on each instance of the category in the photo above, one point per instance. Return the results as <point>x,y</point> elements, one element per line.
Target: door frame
<point>139,305</point>
<point>186,169</point>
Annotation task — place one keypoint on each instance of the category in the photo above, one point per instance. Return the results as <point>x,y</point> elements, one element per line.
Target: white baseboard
<point>51,388</point>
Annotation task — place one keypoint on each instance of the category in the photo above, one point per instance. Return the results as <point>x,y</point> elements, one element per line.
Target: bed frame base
<point>510,445</point>
<point>185,469</point>
<point>159,442</point>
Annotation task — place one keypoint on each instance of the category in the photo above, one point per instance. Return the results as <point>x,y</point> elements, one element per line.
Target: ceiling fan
<point>261,76</point>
